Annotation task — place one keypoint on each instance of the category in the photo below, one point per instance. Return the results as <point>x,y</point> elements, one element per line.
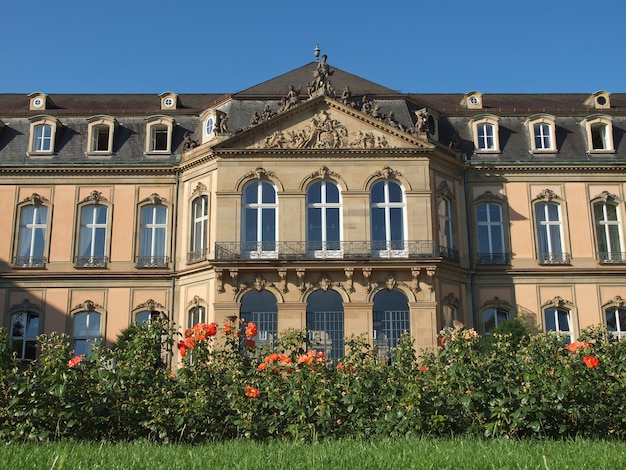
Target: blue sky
<point>222,46</point>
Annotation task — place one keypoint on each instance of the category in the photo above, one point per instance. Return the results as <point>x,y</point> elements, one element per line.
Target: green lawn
<point>386,454</point>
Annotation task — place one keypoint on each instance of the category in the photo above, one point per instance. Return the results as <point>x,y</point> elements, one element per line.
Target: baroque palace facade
<point>317,200</point>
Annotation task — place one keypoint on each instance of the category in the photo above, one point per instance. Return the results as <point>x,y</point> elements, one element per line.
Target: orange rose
<point>251,330</point>
<point>251,392</point>
<point>577,345</point>
<point>423,368</point>
<point>262,366</point>
<point>182,348</point>
<point>73,362</point>
<point>591,361</point>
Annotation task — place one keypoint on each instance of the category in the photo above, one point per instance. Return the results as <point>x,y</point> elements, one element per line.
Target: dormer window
<point>159,135</point>
<point>100,135</point>
<point>169,100</point>
<point>599,134</point>
<point>42,135</point>
<point>599,100</point>
<point>485,132</point>
<point>37,101</point>
<point>473,100</point>
<point>541,129</point>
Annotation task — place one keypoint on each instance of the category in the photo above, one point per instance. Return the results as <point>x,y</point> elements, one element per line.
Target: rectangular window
<point>490,234</point>
<point>559,320</point>
<point>24,331</point>
<point>92,236</point>
<point>86,332</point>
<point>599,137</point>
<point>159,138</point>
<point>153,233</point>
<point>100,139</point>
<point>42,141</point>
<point>608,233</point>
<point>486,139</point>
<point>543,137</point>
<point>549,234</point>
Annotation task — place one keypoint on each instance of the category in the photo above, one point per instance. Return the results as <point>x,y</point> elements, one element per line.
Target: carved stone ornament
<point>488,196</point>
<point>324,173</point>
<point>155,199</point>
<point>199,189</point>
<point>415,274</point>
<point>349,272</point>
<point>547,195</point>
<point>219,276</point>
<point>24,306</point>
<point>95,197</point>
<point>390,282</point>
<point>367,274</point>
<point>87,305</point>
<point>618,301</point>
<point>450,300</point>
<point>259,173</point>
<point>302,285</point>
<point>35,199</point>
<point>444,190</point>
<point>282,274</point>
<point>188,142</point>
<point>151,305</point>
<point>386,173</point>
<point>496,302</point>
<point>234,274</point>
<point>195,302</point>
<point>557,302</point>
<point>259,283</point>
<point>606,196</point>
<point>325,282</point>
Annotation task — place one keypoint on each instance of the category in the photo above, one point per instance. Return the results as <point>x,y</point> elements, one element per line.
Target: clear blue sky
<point>221,46</point>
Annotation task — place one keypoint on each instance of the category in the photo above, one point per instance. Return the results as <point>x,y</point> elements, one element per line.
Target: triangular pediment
<point>325,123</point>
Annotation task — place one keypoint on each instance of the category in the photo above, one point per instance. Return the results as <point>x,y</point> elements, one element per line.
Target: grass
<point>417,453</point>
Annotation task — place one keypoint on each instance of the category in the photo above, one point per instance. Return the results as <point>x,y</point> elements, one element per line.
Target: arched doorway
<point>391,319</point>
<point>324,320</point>
<point>260,307</point>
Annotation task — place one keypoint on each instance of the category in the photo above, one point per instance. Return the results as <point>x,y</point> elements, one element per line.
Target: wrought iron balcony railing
<point>555,258</point>
<point>29,261</point>
<point>297,250</point>
<point>152,261</point>
<point>612,257</point>
<point>197,255</point>
<point>493,258</point>
<point>91,261</point>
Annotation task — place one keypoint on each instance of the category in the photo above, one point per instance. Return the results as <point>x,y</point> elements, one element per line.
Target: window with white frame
<point>323,201</point>
<point>542,133</point>
<point>86,332</point>
<point>485,130</point>
<point>608,231</point>
<point>42,135</point>
<point>388,213</point>
<point>153,236</point>
<point>599,133</point>
<point>490,233</point>
<point>32,236</point>
<point>23,334</point>
<point>159,131</point>
<point>195,315</point>
<point>550,234</point>
<point>92,236</point>
<point>444,216</point>
<point>559,320</point>
<point>200,226</point>
<point>616,321</point>
<point>259,224</point>
<point>493,317</point>
<point>101,130</point>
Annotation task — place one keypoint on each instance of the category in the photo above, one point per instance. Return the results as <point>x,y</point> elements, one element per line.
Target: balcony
<point>91,261</point>
<point>197,255</point>
<point>494,258</point>
<point>29,261</point>
<point>611,257</point>
<point>355,250</point>
<point>152,261</point>
<point>555,258</point>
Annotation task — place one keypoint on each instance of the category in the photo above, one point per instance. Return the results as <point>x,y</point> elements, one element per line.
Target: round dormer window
<point>209,126</point>
<point>474,100</point>
<point>37,102</point>
<point>168,102</point>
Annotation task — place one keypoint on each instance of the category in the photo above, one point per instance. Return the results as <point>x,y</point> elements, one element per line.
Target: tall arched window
<point>391,319</point>
<point>92,238</point>
<point>387,219</point>
<point>195,315</point>
<point>259,222</point>
<point>490,234</point>
<point>260,307</point>
<point>549,233</point>
<point>153,236</point>
<point>324,321</point>
<point>32,236</point>
<point>323,220</point>
<point>199,230</point>
<point>559,320</point>
<point>608,232</point>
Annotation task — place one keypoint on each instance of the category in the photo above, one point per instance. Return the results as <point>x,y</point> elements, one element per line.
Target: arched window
<point>199,230</point>
<point>32,236</point>
<point>92,238</point>
<point>323,220</point>
<point>195,315</point>
<point>391,319</point>
<point>616,320</point>
<point>559,320</point>
<point>23,334</point>
<point>387,219</point>
<point>608,231</point>
<point>86,332</point>
<point>260,307</point>
<point>153,235</point>
<point>259,222</point>
<point>324,321</point>
<point>493,317</point>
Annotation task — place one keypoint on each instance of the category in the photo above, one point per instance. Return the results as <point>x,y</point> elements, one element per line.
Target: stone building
<point>315,199</point>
